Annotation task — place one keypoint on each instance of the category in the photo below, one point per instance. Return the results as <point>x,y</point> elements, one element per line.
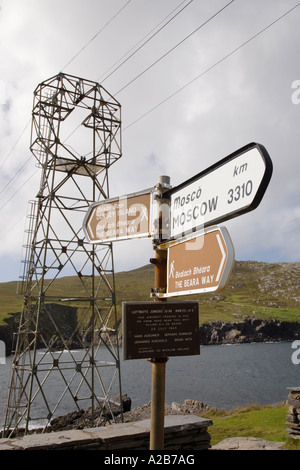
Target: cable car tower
<point>66,348</point>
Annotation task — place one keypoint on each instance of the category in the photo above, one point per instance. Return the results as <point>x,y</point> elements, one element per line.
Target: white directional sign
<point>200,264</point>
<point>120,218</point>
<point>231,187</point>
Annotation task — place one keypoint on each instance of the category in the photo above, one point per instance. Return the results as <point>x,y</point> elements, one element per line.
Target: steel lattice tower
<point>68,332</point>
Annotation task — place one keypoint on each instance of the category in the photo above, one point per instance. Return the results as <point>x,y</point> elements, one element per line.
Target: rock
<point>189,407</point>
<point>192,407</point>
<point>247,443</point>
<point>63,319</point>
<point>293,416</point>
<point>232,334</point>
<point>249,330</point>
<point>83,419</point>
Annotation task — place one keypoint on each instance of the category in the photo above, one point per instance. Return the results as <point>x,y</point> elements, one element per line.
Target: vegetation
<point>10,301</point>
<point>255,289</point>
<point>260,290</point>
<point>264,422</point>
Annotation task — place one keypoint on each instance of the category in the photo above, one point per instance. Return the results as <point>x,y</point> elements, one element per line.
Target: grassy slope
<point>254,289</point>
<point>10,301</point>
<point>264,422</point>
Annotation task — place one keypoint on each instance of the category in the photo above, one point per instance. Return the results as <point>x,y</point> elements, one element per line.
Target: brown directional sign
<point>120,218</point>
<point>200,264</point>
<point>160,329</point>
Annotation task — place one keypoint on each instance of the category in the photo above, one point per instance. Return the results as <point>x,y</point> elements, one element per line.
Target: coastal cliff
<point>260,303</point>
<point>63,316</point>
<point>251,330</point>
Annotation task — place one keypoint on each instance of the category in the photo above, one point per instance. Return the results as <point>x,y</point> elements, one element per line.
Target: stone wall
<point>185,432</point>
<point>293,416</point>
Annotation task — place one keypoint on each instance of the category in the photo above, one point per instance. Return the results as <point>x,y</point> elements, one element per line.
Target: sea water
<point>224,376</point>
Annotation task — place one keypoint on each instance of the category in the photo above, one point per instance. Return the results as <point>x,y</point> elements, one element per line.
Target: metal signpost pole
<point>160,284</point>
<point>192,255</point>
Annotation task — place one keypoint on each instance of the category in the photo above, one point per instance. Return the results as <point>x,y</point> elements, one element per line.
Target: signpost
<point>231,187</point>
<point>120,218</point>
<point>192,255</point>
<point>199,265</point>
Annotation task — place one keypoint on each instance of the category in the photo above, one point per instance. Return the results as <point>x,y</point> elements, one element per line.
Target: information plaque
<point>160,329</point>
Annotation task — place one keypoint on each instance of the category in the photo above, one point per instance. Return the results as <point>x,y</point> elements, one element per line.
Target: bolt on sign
<point>200,264</point>
<point>160,329</point>
<point>120,218</point>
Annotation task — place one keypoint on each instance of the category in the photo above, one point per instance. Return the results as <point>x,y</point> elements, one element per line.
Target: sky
<point>193,89</point>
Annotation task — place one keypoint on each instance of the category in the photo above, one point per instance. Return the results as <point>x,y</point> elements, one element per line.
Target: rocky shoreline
<point>71,422</point>
<point>80,420</point>
<point>248,330</point>
<point>114,413</point>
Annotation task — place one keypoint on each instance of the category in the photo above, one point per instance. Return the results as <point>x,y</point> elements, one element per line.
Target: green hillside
<point>260,290</point>
<point>255,289</point>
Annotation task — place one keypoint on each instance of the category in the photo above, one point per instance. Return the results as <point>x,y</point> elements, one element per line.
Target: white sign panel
<point>229,188</point>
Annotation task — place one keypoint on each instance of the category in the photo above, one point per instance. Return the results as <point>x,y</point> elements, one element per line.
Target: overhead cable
<point>212,66</point>
<point>71,60</point>
<point>147,40</point>
<point>142,45</point>
<point>16,174</point>
<point>174,47</point>
<point>14,146</point>
<point>16,192</point>
<point>97,34</point>
<point>181,88</point>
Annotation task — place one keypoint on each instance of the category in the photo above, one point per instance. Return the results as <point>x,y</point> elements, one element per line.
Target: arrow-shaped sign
<point>120,218</point>
<point>231,187</point>
<point>200,264</point>
<point>223,259</point>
